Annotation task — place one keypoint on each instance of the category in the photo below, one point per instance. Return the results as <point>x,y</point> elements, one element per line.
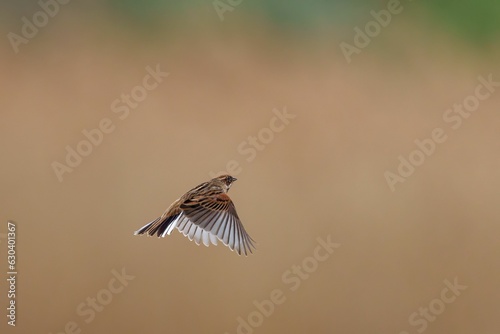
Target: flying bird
<point>206,215</point>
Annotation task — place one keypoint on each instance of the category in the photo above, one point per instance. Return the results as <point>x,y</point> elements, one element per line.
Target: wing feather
<point>206,238</point>
<point>213,238</point>
<point>198,234</point>
<point>209,219</point>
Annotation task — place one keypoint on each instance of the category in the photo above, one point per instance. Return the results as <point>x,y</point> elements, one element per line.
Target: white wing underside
<point>223,228</point>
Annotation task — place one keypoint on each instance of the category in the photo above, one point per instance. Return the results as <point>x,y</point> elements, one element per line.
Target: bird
<point>206,215</point>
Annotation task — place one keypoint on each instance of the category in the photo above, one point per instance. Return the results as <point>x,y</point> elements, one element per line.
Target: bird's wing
<point>212,216</point>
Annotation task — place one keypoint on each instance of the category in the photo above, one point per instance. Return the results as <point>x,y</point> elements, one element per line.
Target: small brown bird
<point>205,214</point>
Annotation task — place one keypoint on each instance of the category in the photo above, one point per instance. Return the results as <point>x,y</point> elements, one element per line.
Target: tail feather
<point>157,226</point>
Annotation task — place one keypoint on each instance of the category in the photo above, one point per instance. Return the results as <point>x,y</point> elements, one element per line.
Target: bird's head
<point>226,180</point>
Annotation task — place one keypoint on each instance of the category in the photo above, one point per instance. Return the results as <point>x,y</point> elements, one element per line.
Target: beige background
<point>322,175</point>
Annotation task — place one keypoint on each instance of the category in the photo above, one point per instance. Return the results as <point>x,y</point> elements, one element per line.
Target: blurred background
<point>113,109</point>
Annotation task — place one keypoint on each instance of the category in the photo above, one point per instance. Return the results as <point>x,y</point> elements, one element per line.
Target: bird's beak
<point>234,179</point>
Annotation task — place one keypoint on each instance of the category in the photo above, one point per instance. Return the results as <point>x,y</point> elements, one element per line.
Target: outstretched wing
<point>208,217</point>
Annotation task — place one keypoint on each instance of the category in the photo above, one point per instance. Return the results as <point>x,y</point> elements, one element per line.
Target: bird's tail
<point>161,226</point>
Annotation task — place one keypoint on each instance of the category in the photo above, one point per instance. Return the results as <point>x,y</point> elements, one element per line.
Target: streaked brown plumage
<point>204,214</point>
